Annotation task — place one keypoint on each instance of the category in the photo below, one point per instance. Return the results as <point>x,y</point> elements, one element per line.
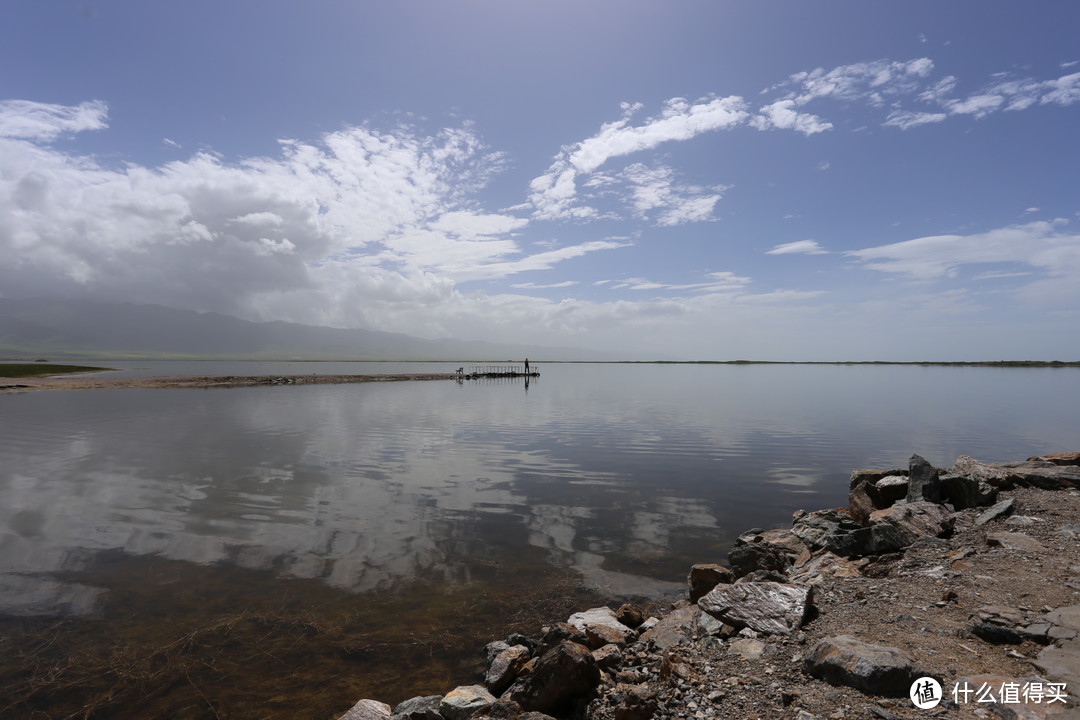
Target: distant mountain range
<point>54,328</point>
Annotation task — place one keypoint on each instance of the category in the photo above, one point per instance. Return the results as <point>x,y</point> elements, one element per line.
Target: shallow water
<point>314,501</point>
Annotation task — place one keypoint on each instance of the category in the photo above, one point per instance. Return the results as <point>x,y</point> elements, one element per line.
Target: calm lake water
<point>612,477</point>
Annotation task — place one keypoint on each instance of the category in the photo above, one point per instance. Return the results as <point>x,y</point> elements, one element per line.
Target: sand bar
<point>94,382</point>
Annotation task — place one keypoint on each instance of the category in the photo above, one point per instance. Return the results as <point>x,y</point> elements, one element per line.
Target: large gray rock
<point>422,707</point>
<point>1062,664</point>
<point>704,577</point>
<point>870,495</point>
<point>599,619</point>
<point>676,628</point>
<point>765,607</point>
<point>749,557</point>
<point>964,491</point>
<point>1062,458</point>
<point>837,532</point>
<point>821,529</point>
<point>872,669</point>
<point>464,700</point>
<point>505,667</point>
<point>562,677</point>
<point>995,511</point>
<point>924,482</point>
<point>873,476</point>
<point>368,710</point>
<point>1040,473</point>
<point>824,565</point>
<point>914,520</point>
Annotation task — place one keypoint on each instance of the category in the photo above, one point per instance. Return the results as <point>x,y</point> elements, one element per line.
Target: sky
<point>701,179</point>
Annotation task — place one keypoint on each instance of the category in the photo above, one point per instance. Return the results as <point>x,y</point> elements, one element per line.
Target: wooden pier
<point>478,372</point>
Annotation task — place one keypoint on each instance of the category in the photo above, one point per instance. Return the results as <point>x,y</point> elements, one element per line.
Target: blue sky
<point>707,180</point>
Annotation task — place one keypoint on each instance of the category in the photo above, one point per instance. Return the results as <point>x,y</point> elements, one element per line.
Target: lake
<point>289,550</point>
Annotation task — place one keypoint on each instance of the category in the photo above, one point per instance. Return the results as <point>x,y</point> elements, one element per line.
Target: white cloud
<point>544,286</point>
<point>802,247</point>
<point>905,119</point>
<point>42,121</point>
<point>655,189</point>
<point>977,105</point>
<point>553,194</point>
<point>1038,244</point>
<point>781,114</point>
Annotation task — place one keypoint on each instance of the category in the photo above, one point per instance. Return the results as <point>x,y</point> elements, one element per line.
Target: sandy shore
<point>93,382</point>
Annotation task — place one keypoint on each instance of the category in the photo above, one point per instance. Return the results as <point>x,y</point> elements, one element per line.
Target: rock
<point>914,520</point>
<point>602,624</point>
<point>765,607</point>
<point>492,649</point>
<point>368,710</point>
<point>637,702</point>
<point>763,576</point>
<point>1001,509</point>
<point>923,482</point>
<point>557,633</point>
<point>964,491</point>
<point>505,667</point>
<point>976,470</point>
<point>1062,458</point>
<point>563,676</point>
<point>747,648</point>
<point>1064,623</point>
<point>676,628</point>
<point>824,565</point>
<point>817,529</point>
<point>873,476</point>
<point>464,700</point>
<point>1041,474</point>
<point>860,503</point>
<point>608,657</point>
<point>872,669</point>
<point>996,634</point>
<point>747,558</point>
<point>1014,541</point>
<point>1062,664</point>
<point>423,707</point>
<point>629,615</point>
<point>705,577</point>
<point>869,496</point>
<point>1000,615</point>
<point>789,543</point>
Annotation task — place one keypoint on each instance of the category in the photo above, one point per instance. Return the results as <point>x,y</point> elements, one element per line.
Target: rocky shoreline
<point>93,382</point>
<point>967,576</point>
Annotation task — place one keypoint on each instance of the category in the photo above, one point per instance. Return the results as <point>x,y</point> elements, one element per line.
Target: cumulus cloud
<point>361,218</point>
<point>781,114</point>
<point>655,189</point>
<point>42,121</point>
<point>800,247</point>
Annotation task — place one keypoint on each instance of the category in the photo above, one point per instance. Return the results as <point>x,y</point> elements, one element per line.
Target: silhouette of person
<point>526,366</point>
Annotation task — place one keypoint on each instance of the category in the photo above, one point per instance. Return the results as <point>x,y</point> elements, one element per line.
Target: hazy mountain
<point>68,328</point>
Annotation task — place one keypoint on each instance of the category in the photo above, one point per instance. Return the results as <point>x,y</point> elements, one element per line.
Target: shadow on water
<point>177,640</point>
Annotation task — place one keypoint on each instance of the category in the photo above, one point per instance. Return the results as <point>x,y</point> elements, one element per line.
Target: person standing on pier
<point>526,366</point>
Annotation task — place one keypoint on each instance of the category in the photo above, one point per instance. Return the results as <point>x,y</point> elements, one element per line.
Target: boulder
<point>704,577</point>
<point>820,529</point>
<point>676,628</point>
<point>422,707</point>
<point>784,540</point>
<point>564,676</point>
<point>914,520</point>
<point>602,624</point>
<point>749,557</point>
<point>837,532</point>
<point>976,470</point>
<point>873,476</point>
<point>995,511</point>
<point>924,483</point>
<point>824,565</point>
<point>368,710</point>
<point>964,491</point>
<point>608,657</point>
<point>629,615</point>
<point>505,667</point>
<point>765,607</point>
<point>464,700</point>
<point>1062,664</point>
<point>1062,458</point>
<point>1041,474</point>
<point>557,633</point>
<point>868,496</point>
<point>871,669</point>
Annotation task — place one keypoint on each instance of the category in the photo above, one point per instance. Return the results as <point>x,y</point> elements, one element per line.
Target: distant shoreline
<point>92,382</point>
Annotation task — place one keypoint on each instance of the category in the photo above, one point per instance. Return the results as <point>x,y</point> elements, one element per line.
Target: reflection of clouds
<point>796,477</point>
<point>358,486</point>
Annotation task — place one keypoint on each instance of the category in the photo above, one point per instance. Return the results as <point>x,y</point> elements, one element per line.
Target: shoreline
<point>93,382</point>
<point>968,576</point>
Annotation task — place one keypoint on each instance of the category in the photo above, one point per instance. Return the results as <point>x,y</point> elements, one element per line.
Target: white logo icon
<point>925,693</point>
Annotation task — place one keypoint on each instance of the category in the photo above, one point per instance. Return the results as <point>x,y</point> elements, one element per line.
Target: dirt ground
<point>923,607</point>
